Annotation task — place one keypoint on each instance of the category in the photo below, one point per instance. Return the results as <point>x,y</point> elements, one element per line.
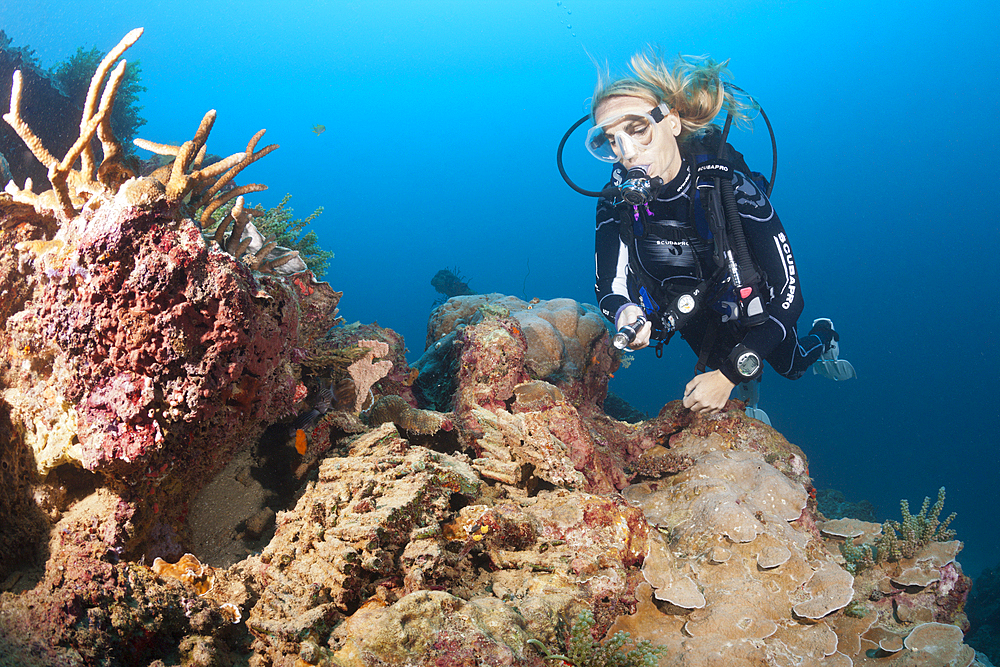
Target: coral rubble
<point>478,509</point>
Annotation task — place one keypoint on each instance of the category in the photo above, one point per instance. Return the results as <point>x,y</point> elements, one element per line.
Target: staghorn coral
<point>71,187</point>
<point>73,78</point>
<point>92,184</point>
<point>185,176</point>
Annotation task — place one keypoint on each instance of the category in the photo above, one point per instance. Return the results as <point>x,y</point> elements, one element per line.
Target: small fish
<point>319,129</point>
<point>324,395</point>
<point>319,404</point>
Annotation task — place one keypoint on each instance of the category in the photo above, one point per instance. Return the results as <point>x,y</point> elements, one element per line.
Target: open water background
<point>442,121</point>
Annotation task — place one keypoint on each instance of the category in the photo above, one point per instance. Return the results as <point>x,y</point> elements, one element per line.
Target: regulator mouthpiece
<point>638,188</point>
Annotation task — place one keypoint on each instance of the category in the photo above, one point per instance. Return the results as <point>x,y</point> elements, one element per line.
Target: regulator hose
<point>747,272</point>
<point>609,191</point>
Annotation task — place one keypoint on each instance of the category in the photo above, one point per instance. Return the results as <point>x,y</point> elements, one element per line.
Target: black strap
<point>707,343</point>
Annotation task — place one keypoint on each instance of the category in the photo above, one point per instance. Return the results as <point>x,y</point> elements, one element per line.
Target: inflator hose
<point>744,265</point>
<point>748,274</point>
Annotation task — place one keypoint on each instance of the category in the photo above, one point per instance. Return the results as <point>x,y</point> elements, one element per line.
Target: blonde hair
<point>692,87</point>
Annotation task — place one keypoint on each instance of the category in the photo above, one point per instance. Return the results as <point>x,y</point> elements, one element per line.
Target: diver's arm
<point>611,260</point>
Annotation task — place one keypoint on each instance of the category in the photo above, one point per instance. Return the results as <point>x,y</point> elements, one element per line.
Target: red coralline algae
<point>161,343</point>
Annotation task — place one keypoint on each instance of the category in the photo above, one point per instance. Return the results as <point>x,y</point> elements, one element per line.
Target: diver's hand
<point>629,315</point>
<point>707,393</point>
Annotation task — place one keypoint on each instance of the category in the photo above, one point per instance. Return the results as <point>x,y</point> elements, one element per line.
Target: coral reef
<point>131,349</point>
<point>565,344</point>
<point>141,364</point>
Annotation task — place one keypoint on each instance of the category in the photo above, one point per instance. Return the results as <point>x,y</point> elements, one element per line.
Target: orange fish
<point>300,441</point>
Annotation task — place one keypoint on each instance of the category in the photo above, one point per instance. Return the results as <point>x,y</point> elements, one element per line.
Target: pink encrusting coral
<point>132,348</point>
<point>163,346</point>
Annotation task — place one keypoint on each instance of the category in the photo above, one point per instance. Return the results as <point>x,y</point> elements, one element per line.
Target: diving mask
<point>622,135</point>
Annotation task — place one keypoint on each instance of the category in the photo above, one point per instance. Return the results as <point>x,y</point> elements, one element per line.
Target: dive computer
<point>745,362</point>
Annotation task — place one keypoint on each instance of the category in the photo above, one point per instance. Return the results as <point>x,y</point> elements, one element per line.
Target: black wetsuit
<point>672,246</point>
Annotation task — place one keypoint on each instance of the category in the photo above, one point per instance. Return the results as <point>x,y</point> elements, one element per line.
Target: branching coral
<point>857,557</point>
<point>914,531</point>
<point>237,244</point>
<point>181,181</point>
<point>73,77</point>
<point>618,651</point>
<point>186,176</point>
<point>95,122</point>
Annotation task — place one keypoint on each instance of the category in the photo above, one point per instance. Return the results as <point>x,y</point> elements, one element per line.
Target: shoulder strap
<point>705,146</point>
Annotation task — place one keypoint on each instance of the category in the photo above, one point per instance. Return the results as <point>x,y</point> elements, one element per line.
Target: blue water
<point>442,121</point>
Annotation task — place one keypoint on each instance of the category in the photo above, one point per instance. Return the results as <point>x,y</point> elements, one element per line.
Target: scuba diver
<point>687,240</point>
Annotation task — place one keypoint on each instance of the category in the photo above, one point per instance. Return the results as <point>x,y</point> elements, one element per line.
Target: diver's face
<point>660,156</point>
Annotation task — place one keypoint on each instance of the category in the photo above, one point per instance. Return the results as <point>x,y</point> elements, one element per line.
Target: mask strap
<point>660,112</point>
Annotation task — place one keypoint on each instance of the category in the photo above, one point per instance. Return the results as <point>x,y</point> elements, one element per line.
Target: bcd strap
<point>707,343</point>
<point>714,168</point>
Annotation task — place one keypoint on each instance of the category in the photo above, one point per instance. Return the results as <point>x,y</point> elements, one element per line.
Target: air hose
<point>745,277</point>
